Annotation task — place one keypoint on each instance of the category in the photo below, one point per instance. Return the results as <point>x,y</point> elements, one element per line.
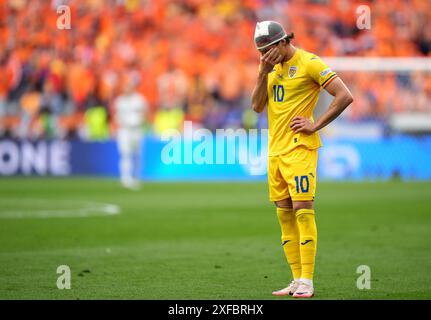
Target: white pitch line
<point>44,209</point>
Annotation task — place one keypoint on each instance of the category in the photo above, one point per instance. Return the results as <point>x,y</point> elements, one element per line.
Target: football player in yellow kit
<point>289,81</point>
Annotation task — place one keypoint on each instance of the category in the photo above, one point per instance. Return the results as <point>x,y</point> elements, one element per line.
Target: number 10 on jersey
<point>302,184</point>
<point>278,91</point>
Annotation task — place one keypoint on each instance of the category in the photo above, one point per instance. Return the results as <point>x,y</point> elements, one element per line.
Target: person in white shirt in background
<point>131,108</point>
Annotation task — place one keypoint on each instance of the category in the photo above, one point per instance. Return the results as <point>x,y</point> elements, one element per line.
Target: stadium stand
<point>194,60</point>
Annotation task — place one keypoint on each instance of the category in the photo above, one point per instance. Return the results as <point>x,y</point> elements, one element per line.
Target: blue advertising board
<point>402,156</point>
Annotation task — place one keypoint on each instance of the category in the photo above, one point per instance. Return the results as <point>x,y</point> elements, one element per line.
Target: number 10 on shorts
<point>302,184</point>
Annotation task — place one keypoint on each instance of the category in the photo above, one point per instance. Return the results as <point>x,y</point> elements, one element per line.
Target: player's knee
<point>298,205</point>
<point>285,203</point>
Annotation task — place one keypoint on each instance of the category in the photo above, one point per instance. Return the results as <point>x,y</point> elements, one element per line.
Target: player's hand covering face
<point>270,58</point>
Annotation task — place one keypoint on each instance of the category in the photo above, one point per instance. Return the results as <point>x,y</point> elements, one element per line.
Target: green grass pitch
<point>208,240</point>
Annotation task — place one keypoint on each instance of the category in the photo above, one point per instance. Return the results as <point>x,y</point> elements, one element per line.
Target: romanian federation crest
<point>292,71</point>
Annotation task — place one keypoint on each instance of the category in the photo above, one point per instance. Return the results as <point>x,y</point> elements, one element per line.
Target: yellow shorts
<point>293,175</point>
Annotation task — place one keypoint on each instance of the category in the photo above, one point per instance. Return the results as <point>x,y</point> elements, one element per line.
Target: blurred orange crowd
<point>195,57</point>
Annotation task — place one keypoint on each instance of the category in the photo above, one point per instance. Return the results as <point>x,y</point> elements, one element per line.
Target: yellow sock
<point>308,239</point>
<point>290,240</point>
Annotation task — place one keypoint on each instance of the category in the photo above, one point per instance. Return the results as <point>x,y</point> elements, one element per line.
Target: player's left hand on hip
<point>302,124</point>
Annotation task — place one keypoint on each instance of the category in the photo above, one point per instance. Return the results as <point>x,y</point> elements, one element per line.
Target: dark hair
<point>288,37</point>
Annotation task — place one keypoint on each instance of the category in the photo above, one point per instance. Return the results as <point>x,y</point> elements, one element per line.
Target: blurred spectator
<point>30,104</point>
<point>96,123</point>
<point>130,110</point>
<point>46,125</point>
<point>168,118</point>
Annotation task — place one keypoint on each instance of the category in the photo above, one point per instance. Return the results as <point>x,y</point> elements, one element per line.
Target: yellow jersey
<point>293,90</point>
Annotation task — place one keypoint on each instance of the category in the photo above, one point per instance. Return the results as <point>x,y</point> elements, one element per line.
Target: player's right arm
<point>260,93</point>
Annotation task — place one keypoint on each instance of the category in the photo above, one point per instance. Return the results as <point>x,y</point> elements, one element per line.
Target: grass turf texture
<point>212,241</point>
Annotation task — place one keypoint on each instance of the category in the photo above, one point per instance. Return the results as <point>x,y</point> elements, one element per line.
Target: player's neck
<point>290,52</point>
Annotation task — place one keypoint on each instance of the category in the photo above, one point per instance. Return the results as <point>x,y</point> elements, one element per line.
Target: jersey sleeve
<point>320,72</point>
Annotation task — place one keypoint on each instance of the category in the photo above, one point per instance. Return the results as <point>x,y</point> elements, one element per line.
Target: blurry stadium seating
<point>194,56</point>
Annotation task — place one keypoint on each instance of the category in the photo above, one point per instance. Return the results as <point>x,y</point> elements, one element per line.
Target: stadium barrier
<point>401,156</point>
